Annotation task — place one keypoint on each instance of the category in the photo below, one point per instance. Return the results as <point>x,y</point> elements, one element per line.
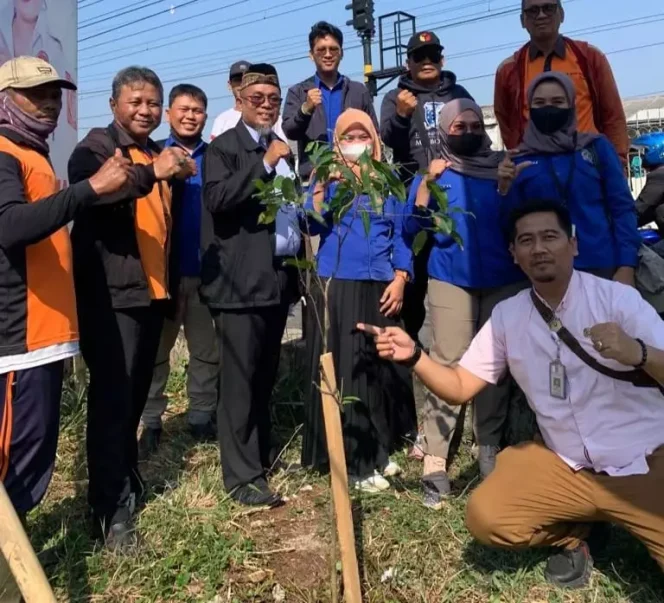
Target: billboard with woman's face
<point>46,29</point>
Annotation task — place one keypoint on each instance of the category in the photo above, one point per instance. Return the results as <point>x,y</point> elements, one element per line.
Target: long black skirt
<point>383,418</point>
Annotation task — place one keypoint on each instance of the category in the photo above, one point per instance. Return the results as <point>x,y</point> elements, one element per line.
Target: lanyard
<point>563,191</point>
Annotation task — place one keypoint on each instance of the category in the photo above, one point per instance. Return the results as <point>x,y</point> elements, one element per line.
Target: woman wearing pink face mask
<point>369,271</point>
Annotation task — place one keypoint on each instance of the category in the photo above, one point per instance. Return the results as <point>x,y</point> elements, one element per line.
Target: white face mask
<point>352,152</point>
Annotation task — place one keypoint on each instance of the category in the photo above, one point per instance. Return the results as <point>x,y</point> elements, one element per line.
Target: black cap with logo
<point>238,69</point>
<point>423,39</point>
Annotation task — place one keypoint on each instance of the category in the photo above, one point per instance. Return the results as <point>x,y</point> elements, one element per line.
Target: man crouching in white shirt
<point>576,345</point>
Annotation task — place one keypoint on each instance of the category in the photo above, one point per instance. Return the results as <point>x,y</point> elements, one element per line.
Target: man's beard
<point>264,130</point>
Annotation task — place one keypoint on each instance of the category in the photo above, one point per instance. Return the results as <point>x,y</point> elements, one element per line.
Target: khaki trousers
<point>456,316</point>
<point>534,499</point>
<point>203,370</point>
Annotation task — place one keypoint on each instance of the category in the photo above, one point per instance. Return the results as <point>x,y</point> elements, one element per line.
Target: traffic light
<point>363,16</point>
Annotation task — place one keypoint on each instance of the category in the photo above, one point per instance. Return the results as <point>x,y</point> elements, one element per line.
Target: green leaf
<point>420,241</point>
<point>366,221</point>
<point>350,400</point>
<point>316,216</point>
<point>288,190</point>
<point>439,195</point>
<point>300,263</point>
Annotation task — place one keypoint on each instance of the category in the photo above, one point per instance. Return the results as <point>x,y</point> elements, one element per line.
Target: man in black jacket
<point>409,126</point>
<point>314,105</point>
<point>121,276</point>
<point>247,282</point>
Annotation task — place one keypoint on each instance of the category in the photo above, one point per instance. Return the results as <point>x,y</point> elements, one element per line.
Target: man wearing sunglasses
<point>313,106</point>
<point>247,282</point>
<point>409,126</point>
<point>599,107</point>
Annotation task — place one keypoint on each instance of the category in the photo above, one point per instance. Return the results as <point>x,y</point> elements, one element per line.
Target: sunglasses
<point>258,100</point>
<point>423,54</point>
<point>548,10</point>
<point>335,51</point>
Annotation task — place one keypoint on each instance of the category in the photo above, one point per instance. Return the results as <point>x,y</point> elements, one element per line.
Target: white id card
<point>557,380</point>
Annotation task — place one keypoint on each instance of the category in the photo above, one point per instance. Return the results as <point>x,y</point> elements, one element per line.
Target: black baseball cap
<point>238,69</point>
<point>423,39</point>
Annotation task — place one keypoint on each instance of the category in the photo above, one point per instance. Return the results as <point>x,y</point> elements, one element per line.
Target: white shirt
<point>604,424</point>
<point>287,227</point>
<point>230,118</point>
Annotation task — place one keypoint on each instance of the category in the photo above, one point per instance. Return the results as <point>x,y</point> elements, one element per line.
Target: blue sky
<point>185,45</point>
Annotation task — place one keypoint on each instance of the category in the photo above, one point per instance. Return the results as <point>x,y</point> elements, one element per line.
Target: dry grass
<point>196,546</point>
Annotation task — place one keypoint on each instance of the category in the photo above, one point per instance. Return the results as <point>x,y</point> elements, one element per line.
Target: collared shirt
<point>191,214</point>
<point>605,425</point>
<point>287,229</point>
<point>333,103</point>
<point>231,117</point>
<point>562,59</point>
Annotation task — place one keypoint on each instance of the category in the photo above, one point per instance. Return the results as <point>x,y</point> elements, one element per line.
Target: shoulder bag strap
<point>637,377</point>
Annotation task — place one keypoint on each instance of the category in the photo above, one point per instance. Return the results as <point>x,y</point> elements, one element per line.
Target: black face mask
<point>466,144</point>
<point>550,119</point>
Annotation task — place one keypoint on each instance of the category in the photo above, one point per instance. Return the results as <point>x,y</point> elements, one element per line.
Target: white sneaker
<point>392,470</point>
<point>371,485</point>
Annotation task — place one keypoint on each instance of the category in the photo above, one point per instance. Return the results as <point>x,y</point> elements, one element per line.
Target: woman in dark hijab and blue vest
<point>466,281</point>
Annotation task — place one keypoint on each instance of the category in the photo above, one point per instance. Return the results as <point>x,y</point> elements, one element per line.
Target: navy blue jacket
<point>480,216</point>
<point>363,257</point>
<point>592,183</point>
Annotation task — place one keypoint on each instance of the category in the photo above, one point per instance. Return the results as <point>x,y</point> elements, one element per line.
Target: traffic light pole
<point>368,65</point>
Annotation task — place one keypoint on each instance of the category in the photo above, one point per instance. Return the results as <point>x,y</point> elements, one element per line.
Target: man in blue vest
<point>187,115</point>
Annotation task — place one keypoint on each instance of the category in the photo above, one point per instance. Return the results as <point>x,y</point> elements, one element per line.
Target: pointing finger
<point>370,329</point>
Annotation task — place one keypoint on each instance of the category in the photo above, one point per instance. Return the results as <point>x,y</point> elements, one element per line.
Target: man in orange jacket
<point>599,107</point>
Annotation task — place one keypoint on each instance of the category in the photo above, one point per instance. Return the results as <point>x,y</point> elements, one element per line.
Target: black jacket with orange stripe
<point>107,260</point>
<point>36,288</point>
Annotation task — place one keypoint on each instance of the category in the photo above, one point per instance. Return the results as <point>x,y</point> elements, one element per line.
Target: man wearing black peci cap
<point>229,118</point>
<point>409,126</point>
<point>247,282</point>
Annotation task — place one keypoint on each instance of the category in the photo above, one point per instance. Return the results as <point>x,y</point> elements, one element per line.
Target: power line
<point>99,16</point>
<point>197,37</point>
<point>114,14</point>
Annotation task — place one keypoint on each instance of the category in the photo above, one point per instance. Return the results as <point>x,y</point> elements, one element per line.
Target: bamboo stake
<point>339,478</point>
<point>21,558</point>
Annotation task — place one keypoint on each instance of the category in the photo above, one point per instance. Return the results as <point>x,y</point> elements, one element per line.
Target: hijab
<point>484,163</point>
<point>565,140</point>
<point>13,118</point>
<point>349,119</point>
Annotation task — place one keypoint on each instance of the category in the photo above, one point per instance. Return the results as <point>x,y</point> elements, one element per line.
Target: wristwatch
<point>415,358</point>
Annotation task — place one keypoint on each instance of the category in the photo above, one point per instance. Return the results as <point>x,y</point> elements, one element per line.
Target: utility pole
<point>363,22</point>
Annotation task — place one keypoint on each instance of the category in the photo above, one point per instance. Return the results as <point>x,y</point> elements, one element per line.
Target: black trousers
<point>120,349</point>
<point>414,311</point>
<point>249,347</point>
<point>29,421</point>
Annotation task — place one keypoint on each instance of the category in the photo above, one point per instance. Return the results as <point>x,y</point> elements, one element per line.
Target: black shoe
<point>256,494</point>
<point>204,432</point>
<point>570,568</point>
<point>148,442</point>
<point>487,460</point>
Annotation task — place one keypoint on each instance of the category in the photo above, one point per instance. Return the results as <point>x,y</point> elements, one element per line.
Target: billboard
<point>46,29</point>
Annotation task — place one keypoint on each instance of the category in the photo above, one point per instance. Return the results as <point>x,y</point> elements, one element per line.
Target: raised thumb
<point>118,153</point>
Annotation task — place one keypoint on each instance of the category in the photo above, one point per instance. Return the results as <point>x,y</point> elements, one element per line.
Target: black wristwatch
<point>414,359</point>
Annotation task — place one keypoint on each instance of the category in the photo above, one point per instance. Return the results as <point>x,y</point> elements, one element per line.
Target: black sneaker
<point>148,442</point>
<point>203,432</point>
<point>436,488</point>
<point>570,568</point>
<point>487,460</point>
<point>256,494</point>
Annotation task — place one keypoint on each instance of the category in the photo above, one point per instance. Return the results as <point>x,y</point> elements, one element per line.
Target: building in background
<point>46,29</point>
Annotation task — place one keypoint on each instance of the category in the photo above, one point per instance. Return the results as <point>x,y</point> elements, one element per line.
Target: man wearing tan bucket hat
<point>37,302</point>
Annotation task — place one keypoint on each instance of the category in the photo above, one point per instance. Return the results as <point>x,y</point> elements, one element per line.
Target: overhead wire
<point>115,13</point>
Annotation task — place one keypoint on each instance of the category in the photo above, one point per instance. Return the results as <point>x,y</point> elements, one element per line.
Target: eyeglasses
<point>258,100</point>
<point>548,9</point>
<point>423,54</point>
<point>335,51</point>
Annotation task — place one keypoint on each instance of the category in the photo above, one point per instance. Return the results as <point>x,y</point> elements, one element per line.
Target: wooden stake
<point>339,477</point>
<point>21,558</point>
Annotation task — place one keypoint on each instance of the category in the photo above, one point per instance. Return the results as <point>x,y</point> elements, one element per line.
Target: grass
<point>197,546</point>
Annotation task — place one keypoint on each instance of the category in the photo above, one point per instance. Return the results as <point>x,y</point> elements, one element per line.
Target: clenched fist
<point>112,176</point>
<point>614,344</point>
<point>406,103</point>
<point>171,162</point>
<point>277,150</point>
<point>314,98</point>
